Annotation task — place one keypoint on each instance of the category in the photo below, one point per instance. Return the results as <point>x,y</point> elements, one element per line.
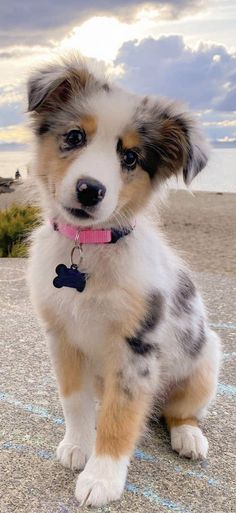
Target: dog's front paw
<point>189,441</point>
<point>102,481</point>
<point>71,455</point>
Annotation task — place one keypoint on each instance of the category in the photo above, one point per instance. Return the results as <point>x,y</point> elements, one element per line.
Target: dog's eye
<point>130,159</point>
<point>75,138</point>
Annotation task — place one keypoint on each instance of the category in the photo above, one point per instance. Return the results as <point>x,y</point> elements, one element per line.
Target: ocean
<point>218,176</point>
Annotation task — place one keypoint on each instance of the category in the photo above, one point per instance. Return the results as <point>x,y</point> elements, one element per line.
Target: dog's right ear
<point>53,85</point>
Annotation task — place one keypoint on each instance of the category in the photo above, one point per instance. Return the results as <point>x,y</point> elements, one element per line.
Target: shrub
<point>16,224</point>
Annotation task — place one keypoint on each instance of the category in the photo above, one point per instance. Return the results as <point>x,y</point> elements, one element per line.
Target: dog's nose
<point>90,192</point>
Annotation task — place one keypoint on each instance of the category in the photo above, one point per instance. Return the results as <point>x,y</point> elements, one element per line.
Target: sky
<point>183,49</point>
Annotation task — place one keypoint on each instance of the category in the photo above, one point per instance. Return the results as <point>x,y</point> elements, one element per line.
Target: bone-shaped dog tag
<point>70,277</point>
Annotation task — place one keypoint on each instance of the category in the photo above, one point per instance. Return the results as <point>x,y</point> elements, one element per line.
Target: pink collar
<point>90,236</point>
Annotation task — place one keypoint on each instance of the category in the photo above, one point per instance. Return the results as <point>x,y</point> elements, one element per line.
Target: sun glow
<point>99,37</point>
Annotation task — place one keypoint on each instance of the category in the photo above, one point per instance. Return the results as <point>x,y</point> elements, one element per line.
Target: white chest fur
<point>138,263</point>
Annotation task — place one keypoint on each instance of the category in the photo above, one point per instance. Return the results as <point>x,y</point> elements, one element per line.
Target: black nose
<point>90,192</point>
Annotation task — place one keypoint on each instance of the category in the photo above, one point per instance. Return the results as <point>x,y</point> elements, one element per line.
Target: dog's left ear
<point>183,134</point>
<point>196,150</point>
<point>174,139</point>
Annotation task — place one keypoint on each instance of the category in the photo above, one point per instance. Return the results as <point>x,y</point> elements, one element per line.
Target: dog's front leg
<point>77,402</point>
<point>121,417</point>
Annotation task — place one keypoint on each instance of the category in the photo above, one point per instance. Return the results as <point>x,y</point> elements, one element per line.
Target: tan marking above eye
<point>89,124</point>
<point>130,140</point>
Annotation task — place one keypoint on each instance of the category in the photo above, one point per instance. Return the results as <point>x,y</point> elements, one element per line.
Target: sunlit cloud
<point>15,134</point>
<point>168,66</point>
<point>195,63</point>
<point>224,123</point>
<point>101,37</point>
<point>227,139</point>
<point>10,95</point>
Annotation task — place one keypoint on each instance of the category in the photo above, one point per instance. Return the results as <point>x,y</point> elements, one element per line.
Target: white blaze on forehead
<point>113,110</point>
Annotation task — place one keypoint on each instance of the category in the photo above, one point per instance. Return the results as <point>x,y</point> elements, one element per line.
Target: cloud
<point>15,134</point>
<point>15,52</point>
<point>27,22</point>
<point>224,123</point>
<point>228,103</point>
<point>204,77</point>
<point>11,114</point>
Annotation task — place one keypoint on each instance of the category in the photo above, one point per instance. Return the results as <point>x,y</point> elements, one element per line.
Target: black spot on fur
<point>189,163</point>
<point>106,88</point>
<point>43,129</point>
<point>144,373</point>
<point>165,141</point>
<point>123,386</point>
<point>159,159</point>
<point>182,299</point>
<point>201,338</point>
<point>154,314</point>
<point>150,161</point>
<point>157,351</point>
<point>140,347</point>
<point>190,343</point>
<point>127,392</point>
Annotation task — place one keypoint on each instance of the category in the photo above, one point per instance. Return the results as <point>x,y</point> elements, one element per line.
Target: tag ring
<point>77,247</point>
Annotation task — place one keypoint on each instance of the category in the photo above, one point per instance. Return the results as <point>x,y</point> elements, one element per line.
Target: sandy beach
<point>200,225</point>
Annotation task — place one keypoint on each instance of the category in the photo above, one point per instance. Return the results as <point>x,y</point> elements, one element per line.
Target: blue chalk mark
<point>45,454</point>
<point>37,410</point>
<point>154,497</point>
<point>213,482</point>
<point>226,389</point>
<point>41,453</point>
<point>140,455</point>
<point>62,509</point>
<point>16,447</point>
<point>223,325</point>
<point>201,475</point>
<point>143,456</point>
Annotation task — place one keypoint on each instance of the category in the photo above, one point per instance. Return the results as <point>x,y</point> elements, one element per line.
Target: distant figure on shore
<point>17,175</point>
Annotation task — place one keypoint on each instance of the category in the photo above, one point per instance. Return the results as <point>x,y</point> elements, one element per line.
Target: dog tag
<point>70,277</point>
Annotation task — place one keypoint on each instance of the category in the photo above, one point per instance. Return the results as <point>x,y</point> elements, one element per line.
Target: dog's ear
<point>54,84</point>
<point>195,149</point>
<point>174,138</point>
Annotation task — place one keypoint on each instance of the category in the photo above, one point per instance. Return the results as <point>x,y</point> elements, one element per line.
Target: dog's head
<point>101,151</point>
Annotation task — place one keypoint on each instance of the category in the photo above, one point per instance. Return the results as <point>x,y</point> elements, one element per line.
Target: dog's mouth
<point>79,213</point>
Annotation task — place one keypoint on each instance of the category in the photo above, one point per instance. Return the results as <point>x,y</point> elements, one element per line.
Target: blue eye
<point>75,138</point>
<point>130,159</point>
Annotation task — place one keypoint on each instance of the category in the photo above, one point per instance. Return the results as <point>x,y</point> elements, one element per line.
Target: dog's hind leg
<point>77,401</point>
<point>189,402</point>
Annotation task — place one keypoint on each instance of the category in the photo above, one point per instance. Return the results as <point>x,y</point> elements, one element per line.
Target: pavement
<point>32,481</point>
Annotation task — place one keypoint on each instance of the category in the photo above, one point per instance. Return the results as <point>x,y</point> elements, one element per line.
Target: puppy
<point>123,319</point>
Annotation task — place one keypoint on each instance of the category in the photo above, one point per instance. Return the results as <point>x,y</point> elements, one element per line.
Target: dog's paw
<point>189,441</point>
<point>71,455</point>
<point>102,481</point>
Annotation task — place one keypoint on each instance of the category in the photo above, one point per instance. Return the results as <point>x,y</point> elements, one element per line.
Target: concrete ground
<point>32,425</point>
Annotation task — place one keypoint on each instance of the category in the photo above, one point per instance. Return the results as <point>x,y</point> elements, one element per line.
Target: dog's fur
<point>139,330</point>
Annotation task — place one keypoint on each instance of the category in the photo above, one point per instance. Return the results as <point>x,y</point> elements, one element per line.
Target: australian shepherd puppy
<point>123,319</point>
